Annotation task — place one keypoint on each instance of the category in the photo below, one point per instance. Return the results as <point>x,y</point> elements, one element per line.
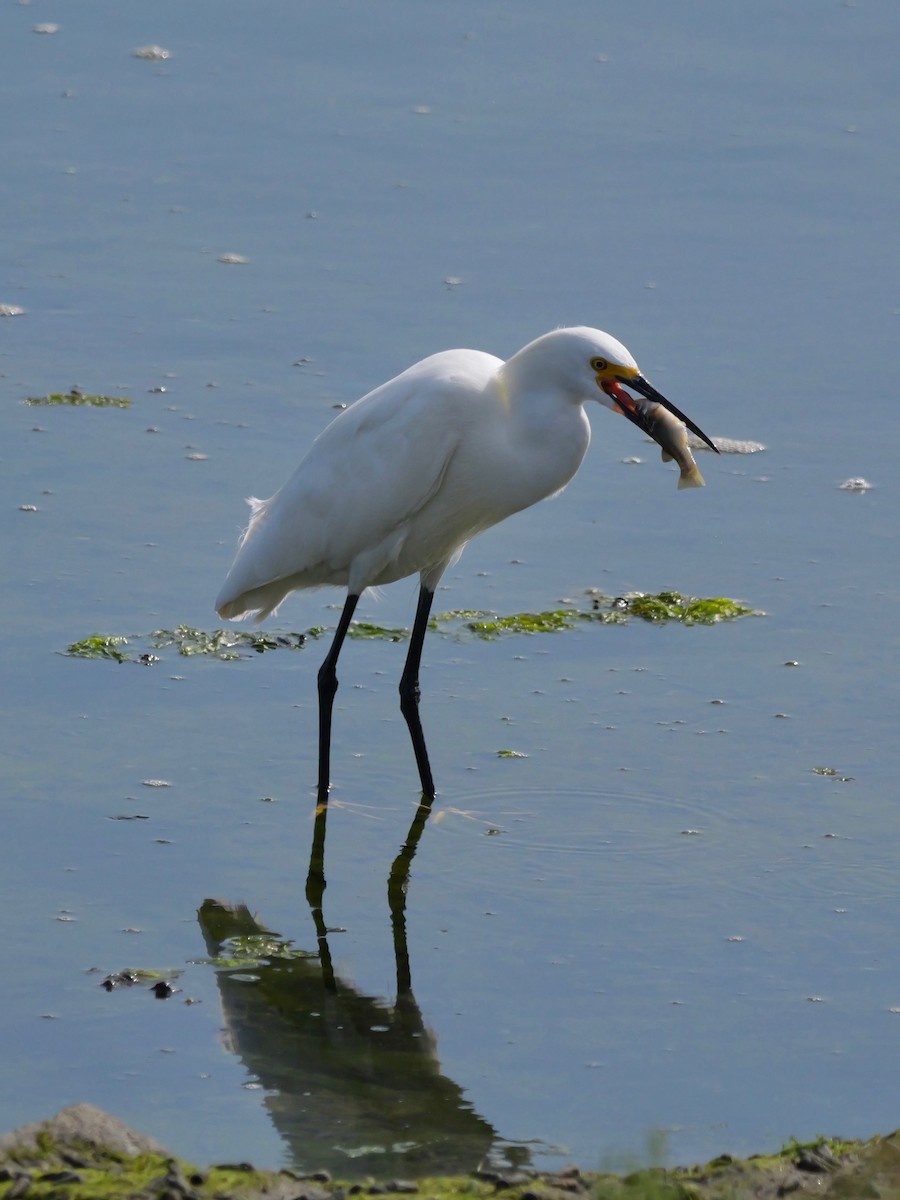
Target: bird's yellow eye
<point>599,364</point>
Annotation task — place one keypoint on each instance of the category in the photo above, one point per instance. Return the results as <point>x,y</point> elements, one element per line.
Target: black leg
<point>328,686</point>
<point>409,691</point>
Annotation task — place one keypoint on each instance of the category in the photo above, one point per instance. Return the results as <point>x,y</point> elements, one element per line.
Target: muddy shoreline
<point>84,1152</point>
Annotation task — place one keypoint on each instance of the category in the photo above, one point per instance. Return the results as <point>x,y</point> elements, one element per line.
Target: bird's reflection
<point>352,1082</point>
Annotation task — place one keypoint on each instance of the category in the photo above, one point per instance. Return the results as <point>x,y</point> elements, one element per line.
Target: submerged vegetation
<point>226,643</point>
<point>690,610</point>
<point>76,397</point>
<point>99,645</point>
<point>489,625</point>
<point>246,951</point>
<point>220,643</point>
<point>607,610</point>
<point>658,608</point>
<point>365,630</point>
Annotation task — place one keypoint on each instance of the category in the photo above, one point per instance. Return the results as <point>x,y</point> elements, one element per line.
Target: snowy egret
<point>401,480</point>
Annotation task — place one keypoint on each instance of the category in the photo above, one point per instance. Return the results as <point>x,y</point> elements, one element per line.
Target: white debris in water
<point>46,27</point>
<point>11,310</point>
<point>726,445</point>
<point>856,485</point>
<point>153,53</point>
<point>233,259</point>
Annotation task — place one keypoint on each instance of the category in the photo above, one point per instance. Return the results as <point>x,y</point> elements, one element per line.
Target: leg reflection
<point>398,883</point>
<point>315,891</point>
<point>397,886</point>
<point>342,1070</point>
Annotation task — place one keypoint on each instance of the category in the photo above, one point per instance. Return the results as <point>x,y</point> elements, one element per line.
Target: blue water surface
<point>675,910</point>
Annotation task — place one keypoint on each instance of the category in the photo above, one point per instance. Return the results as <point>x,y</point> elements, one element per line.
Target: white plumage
<point>403,478</point>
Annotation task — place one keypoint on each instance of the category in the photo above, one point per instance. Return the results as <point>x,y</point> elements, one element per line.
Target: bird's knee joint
<point>327,682</point>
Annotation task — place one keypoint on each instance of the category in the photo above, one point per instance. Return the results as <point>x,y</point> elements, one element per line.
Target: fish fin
<point>666,456</point>
<point>690,477</point>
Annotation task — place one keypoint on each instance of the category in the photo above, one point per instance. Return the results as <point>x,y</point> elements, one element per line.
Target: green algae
<point>228,644</point>
<point>100,645</point>
<point>146,975</point>
<point>71,1170</point>
<point>252,949</point>
<point>657,608</point>
<point>366,630</point>
<point>689,610</point>
<point>188,642</point>
<point>831,773</point>
<point>79,399</point>
<point>119,1177</point>
<point>527,623</point>
<point>224,643</point>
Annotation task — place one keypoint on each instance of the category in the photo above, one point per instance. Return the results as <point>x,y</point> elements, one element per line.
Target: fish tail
<point>691,477</point>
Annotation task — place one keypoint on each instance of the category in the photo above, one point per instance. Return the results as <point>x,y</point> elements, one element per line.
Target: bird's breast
<point>507,466</point>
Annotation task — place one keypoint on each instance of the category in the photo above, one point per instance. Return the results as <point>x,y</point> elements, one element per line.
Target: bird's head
<point>614,370</point>
<point>586,364</point>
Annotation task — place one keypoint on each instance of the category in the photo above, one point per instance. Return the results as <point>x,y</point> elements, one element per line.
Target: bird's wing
<point>343,516</point>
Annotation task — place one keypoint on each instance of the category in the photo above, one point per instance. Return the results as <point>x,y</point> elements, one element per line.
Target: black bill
<point>644,420</point>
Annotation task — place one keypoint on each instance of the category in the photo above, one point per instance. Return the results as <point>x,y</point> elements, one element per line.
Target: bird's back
<point>346,514</point>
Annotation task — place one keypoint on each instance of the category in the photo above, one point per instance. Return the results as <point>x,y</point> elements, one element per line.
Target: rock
<point>77,1127</point>
<point>21,1186</point>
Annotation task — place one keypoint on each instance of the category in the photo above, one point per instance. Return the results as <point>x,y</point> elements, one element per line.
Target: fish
<point>666,428</point>
<point>672,436</point>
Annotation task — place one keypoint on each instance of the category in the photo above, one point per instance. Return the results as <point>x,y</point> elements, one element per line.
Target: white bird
<point>400,481</point>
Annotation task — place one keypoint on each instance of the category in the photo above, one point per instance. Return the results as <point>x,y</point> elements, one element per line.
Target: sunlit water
<point>660,916</point>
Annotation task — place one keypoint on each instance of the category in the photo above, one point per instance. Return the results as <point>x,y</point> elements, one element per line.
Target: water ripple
<point>603,837</point>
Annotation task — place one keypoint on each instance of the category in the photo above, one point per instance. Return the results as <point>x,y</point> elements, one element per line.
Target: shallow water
<point>661,917</point>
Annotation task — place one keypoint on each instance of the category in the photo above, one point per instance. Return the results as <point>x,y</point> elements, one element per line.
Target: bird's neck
<point>544,431</point>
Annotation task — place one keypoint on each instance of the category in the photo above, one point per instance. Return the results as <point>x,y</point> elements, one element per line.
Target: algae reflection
<point>352,1082</point>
